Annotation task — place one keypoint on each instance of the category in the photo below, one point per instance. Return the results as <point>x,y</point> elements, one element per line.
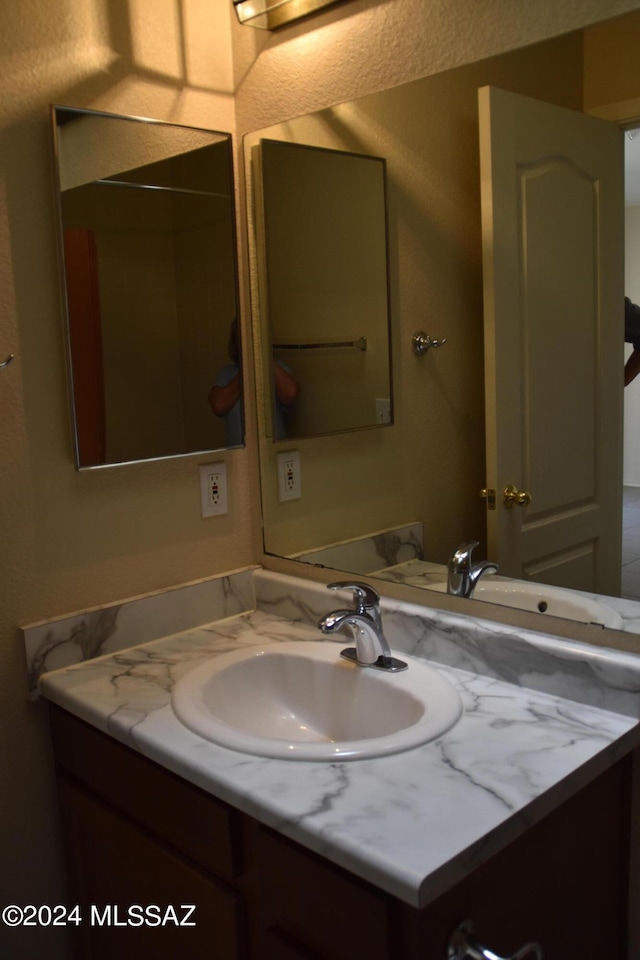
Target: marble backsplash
<point>363,555</point>
<point>593,675</point>
<point>589,674</point>
<point>60,642</point>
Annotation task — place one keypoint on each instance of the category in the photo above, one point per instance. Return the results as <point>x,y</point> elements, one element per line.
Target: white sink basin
<point>301,701</point>
<point>539,598</point>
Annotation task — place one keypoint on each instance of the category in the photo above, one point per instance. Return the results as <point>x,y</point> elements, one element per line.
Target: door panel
<point>565,567</point>
<point>552,216</point>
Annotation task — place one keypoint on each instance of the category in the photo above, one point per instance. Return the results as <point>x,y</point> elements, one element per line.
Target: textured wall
<point>367,45</point>
<point>69,540</point>
<point>611,54</point>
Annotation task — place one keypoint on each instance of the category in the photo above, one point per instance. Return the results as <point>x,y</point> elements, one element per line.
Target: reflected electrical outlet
<point>289,487</point>
<point>383,410</point>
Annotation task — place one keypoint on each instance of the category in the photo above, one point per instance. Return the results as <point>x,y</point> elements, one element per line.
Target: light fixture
<point>271,14</point>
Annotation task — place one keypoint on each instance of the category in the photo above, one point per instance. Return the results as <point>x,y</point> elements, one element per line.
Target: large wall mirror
<point>147,236</point>
<point>395,503</point>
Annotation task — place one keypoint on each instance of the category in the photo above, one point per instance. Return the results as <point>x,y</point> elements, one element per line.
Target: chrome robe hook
<point>422,342</point>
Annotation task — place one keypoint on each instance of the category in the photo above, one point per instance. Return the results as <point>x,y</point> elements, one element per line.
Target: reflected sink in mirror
<point>540,598</point>
<point>300,701</point>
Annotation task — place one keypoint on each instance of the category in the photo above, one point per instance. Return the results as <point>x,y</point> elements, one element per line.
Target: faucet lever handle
<point>463,554</point>
<point>364,596</point>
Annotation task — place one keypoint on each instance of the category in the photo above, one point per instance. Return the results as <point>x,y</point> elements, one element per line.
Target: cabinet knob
<point>463,946</point>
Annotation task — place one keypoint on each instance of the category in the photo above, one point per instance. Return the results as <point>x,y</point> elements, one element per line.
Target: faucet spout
<point>485,566</point>
<point>462,574</point>
<point>372,648</point>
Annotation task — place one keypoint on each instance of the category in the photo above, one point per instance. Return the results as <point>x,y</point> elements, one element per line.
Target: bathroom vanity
<point>518,818</point>
<point>137,834</point>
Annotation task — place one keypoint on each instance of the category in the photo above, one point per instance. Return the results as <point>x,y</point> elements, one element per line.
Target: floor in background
<point>631,542</point>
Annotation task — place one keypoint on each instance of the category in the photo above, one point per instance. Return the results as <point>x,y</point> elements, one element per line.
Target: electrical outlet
<point>383,410</point>
<point>289,487</point>
<point>213,489</point>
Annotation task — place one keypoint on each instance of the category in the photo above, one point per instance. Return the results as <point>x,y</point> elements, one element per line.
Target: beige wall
<point>70,540</point>
<point>137,286</point>
<point>611,62</point>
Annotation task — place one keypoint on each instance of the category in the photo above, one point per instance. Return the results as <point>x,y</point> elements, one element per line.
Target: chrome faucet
<point>463,575</point>
<point>372,648</point>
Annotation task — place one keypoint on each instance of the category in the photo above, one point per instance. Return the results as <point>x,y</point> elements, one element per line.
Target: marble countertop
<point>414,823</point>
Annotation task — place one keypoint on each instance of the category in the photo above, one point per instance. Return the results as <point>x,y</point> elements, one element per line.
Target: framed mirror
<point>325,289</point>
<point>397,504</point>
<point>149,276</point>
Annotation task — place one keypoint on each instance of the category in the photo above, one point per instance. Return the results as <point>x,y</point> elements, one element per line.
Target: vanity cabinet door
<point>113,865</point>
<point>563,884</point>
<point>308,908</point>
<point>188,819</point>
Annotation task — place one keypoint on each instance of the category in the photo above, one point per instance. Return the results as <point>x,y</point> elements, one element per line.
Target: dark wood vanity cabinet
<point>136,835</point>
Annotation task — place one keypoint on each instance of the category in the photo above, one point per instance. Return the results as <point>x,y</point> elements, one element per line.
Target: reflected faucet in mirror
<point>462,574</point>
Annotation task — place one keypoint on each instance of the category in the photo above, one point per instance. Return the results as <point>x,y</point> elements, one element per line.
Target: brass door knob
<point>512,497</point>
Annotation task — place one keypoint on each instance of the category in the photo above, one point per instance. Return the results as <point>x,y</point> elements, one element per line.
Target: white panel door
<point>552,220</point>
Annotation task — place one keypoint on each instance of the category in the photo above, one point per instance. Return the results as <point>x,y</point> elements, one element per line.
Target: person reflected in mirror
<point>632,335</point>
<point>286,389</point>
<point>225,396</point>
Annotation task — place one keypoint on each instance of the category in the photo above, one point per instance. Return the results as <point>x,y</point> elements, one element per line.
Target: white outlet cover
<point>383,410</point>
<point>213,489</point>
<point>289,485</point>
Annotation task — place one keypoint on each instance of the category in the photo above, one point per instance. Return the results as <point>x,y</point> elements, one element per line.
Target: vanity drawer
<point>202,828</point>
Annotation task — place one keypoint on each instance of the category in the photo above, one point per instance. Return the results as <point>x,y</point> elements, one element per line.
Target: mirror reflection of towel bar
<point>359,343</point>
<point>128,185</point>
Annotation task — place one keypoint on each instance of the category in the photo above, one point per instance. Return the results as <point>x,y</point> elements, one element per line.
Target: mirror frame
<point>55,110</point>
